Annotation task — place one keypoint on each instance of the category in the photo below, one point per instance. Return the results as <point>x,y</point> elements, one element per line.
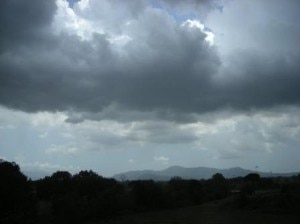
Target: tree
<point>218,177</point>
<point>16,195</point>
<point>253,177</point>
<point>88,183</point>
<point>61,176</point>
<point>250,185</point>
<point>219,186</point>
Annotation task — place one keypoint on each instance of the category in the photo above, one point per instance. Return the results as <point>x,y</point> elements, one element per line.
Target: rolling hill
<point>191,173</point>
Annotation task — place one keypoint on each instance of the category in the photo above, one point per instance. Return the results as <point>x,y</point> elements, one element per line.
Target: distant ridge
<point>191,173</point>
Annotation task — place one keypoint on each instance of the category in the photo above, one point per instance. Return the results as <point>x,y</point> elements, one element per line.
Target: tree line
<point>87,196</point>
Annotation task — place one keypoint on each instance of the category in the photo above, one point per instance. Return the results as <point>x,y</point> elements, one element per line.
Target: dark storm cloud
<point>23,21</point>
<point>161,71</point>
<point>54,79</point>
<point>257,81</point>
<point>166,69</point>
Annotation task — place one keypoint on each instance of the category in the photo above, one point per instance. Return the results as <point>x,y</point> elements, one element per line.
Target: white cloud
<point>48,119</point>
<point>83,4</point>
<point>48,167</point>
<point>231,138</point>
<point>61,150</point>
<point>164,160</point>
<point>67,21</point>
<point>196,24</point>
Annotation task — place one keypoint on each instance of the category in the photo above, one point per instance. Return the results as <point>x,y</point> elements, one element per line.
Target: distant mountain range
<point>174,171</point>
<point>191,173</point>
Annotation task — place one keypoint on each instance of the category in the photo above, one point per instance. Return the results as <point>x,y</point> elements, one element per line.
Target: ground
<point>218,212</point>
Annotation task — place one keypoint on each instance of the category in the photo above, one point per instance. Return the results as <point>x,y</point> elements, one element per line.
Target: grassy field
<point>219,212</point>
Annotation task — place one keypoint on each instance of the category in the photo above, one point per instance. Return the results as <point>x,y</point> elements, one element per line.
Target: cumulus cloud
<point>143,61</point>
<point>237,139</point>
<point>219,77</point>
<point>159,68</point>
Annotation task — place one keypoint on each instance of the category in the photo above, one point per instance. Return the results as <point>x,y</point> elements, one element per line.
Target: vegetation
<point>87,197</point>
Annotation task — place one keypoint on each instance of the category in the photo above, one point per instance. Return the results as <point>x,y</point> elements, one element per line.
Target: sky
<point>114,85</point>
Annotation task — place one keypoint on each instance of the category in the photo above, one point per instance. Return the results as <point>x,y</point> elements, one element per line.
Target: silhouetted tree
<point>253,177</point>
<point>61,176</point>
<point>16,194</point>
<point>88,183</point>
<point>217,186</point>
<point>218,177</point>
<point>59,183</point>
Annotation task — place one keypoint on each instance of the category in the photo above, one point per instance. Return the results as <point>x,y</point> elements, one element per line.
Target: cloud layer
<point>91,83</point>
<point>141,60</point>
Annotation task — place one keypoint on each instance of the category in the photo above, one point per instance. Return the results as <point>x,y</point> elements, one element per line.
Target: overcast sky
<point>118,85</point>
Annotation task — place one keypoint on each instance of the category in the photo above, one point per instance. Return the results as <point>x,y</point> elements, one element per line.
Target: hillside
<point>190,173</point>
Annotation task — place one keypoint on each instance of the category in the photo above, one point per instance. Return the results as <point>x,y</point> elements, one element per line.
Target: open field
<point>212,213</point>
